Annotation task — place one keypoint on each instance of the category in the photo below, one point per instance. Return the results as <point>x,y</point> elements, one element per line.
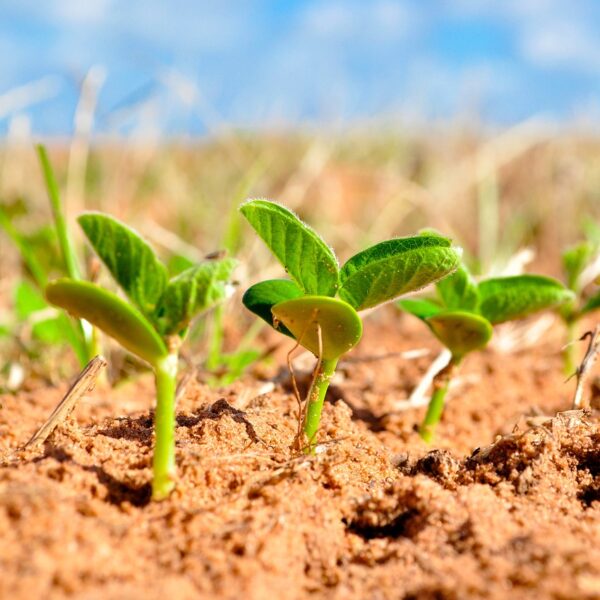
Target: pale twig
<point>418,394</point>
<point>83,384</point>
<point>585,367</point>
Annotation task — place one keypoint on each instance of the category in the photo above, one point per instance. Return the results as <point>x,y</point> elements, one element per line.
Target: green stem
<point>569,352</point>
<point>66,245</point>
<point>316,398</point>
<point>165,373</point>
<point>441,383</point>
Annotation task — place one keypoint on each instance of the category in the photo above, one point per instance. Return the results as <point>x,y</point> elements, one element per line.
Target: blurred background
<point>185,68</point>
<point>371,119</point>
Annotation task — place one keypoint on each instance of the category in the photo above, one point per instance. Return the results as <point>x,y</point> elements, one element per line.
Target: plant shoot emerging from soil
<point>153,324</point>
<point>318,306</point>
<point>580,267</point>
<point>463,315</point>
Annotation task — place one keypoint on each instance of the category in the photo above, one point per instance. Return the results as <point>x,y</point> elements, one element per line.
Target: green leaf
<point>459,290</point>
<point>461,332</point>
<point>420,308</point>
<point>261,297</point>
<point>191,292</point>
<point>27,300</point>
<point>340,325</point>
<point>508,298</point>
<point>129,258</point>
<point>395,267</point>
<point>593,303</point>
<point>574,260</point>
<point>108,312</point>
<point>305,256</point>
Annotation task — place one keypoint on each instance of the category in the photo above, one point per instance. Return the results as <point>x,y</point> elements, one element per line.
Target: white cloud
<point>376,20</point>
<point>561,43</point>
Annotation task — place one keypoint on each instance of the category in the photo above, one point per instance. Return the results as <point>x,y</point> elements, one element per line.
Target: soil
<point>505,504</point>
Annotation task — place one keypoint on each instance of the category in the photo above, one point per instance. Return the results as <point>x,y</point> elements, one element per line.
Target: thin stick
<point>83,384</point>
<point>296,390</point>
<point>585,367</point>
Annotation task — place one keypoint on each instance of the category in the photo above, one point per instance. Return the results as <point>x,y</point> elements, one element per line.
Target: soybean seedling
<point>306,308</point>
<point>153,324</point>
<point>580,268</point>
<point>463,315</point>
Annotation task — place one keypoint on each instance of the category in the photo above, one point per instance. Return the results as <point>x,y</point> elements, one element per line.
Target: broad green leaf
<point>459,290</point>
<point>574,260</point>
<point>261,297</point>
<point>507,298</point>
<point>340,325</point>
<point>592,304</point>
<point>419,307</point>
<point>108,312</point>
<point>395,267</point>
<point>129,258</point>
<point>305,256</point>
<point>191,292</point>
<point>27,300</point>
<point>461,332</point>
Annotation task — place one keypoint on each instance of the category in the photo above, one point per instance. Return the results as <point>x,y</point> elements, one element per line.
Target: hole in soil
<point>135,430</point>
<point>119,492</point>
<point>401,526</point>
<point>214,412</point>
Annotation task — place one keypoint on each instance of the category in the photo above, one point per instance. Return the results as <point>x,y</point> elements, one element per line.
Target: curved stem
<point>316,398</point>
<point>441,383</point>
<point>165,374</point>
<point>569,352</point>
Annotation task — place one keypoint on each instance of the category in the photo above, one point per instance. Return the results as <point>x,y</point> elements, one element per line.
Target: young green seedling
<point>577,262</point>
<point>155,322</point>
<point>306,308</point>
<point>463,315</point>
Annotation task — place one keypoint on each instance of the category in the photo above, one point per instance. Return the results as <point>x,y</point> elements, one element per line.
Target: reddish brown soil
<point>375,514</point>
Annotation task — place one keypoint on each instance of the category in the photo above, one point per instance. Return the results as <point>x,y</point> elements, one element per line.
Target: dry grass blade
<point>585,367</point>
<point>83,384</point>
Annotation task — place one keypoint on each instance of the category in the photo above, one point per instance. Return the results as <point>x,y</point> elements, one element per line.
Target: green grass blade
<point>395,267</point>
<point>33,264</point>
<point>304,255</point>
<point>131,261</point>
<point>62,232</point>
<point>109,313</point>
<point>508,298</point>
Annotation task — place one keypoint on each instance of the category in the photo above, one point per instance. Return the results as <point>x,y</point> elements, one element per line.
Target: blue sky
<point>184,67</point>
